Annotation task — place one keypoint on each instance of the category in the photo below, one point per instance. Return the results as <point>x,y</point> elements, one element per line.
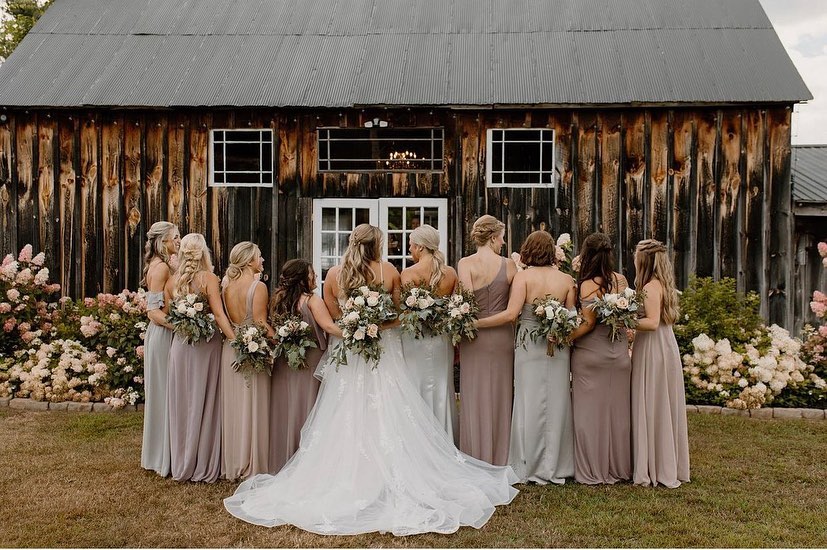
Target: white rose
<point>373,301</point>
<point>191,298</point>
<point>549,312</point>
<point>181,308</point>
<point>465,308</point>
<point>199,306</point>
<point>629,292</point>
<point>359,334</point>
<point>563,239</point>
<point>422,303</point>
<point>191,312</point>
<point>539,311</point>
<point>303,325</point>
<point>351,317</point>
<point>364,290</point>
<point>622,303</point>
<point>359,301</point>
<point>373,330</point>
<point>410,301</point>
<point>455,312</point>
<point>252,347</point>
<point>283,332</point>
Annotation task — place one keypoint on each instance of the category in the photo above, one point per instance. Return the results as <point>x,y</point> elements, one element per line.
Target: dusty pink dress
<point>660,442</point>
<point>486,380</point>
<point>292,396</point>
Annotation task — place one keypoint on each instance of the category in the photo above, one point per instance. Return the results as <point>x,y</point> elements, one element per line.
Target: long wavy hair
<point>195,257</point>
<point>428,238</point>
<point>240,257</point>
<point>155,246</point>
<point>596,261</point>
<point>652,262</point>
<point>294,281</point>
<point>364,247</point>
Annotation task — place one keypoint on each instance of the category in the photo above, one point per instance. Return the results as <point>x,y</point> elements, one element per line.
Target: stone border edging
<point>766,412</point>
<point>31,405</point>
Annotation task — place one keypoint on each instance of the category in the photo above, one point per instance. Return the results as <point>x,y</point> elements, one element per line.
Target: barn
<point>287,122</point>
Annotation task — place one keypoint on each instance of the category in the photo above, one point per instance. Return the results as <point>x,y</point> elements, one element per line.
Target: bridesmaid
<point>487,362</point>
<point>601,375</point>
<point>293,392</point>
<point>542,435</point>
<point>433,371</point>
<point>162,242</point>
<point>245,438</point>
<point>660,443</point>
<point>194,399</point>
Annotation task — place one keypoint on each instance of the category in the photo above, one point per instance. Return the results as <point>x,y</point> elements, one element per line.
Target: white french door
<point>334,220</point>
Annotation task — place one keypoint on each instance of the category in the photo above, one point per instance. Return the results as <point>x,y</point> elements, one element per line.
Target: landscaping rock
<point>726,411</point>
<point>786,413</point>
<point>4,401</point>
<point>766,412</point>
<point>62,406</point>
<point>29,405</point>
<point>101,407</point>
<point>709,409</point>
<point>691,408</point>
<point>813,414</point>
<point>79,407</point>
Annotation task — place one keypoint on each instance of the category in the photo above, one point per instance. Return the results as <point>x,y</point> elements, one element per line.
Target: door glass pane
<point>328,244</point>
<point>328,218</point>
<point>431,217</point>
<point>362,216</point>
<point>345,219</point>
<point>395,218</point>
<point>343,240</point>
<point>413,218</point>
<point>394,243</point>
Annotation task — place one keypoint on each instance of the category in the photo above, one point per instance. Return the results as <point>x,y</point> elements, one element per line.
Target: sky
<point>802,27</point>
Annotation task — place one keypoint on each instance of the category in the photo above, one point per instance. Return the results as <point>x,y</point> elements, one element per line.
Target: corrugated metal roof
<point>809,173</point>
<point>340,53</point>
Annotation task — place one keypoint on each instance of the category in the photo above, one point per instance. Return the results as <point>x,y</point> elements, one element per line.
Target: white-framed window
<point>241,158</point>
<point>519,157</point>
<point>334,220</point>
<point>380,149</point>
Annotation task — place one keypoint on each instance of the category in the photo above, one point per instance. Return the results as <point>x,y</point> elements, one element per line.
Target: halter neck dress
<point>245,429</point>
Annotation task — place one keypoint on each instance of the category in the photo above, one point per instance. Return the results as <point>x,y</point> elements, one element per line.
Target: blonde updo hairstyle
<point>194,257</point>
<point>653,263</point>
<point>155,246</point>
<point>240,257</point>
<point>428,238</point>
<point>364,247</point>
<point>486,228</point>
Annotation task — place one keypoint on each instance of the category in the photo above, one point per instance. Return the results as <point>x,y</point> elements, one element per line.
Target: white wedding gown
<point>373,457</point>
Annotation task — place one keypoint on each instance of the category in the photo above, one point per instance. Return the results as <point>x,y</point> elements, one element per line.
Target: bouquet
<point>461,315</point>
<point>293,338</point>
<point>556,323</point>
<point>619,311</point>
<point>253,351</point>
<point>421,310</point>
<point>363,313</point>
<point>191,319</point>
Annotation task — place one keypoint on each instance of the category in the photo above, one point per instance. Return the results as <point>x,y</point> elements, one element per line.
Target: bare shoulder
<point>588,287</point>
<point>653,287</point>
<point>158,269</point>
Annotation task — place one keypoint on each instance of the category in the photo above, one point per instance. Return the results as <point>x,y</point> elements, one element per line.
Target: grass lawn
<point>74,480</point>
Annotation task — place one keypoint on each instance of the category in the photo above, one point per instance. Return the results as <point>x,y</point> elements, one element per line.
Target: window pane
<point>266,157</point>
<point>548,157</point>
<point>522,135</point>
<point>346,219</point>
<point>328,218</point>
<point>243,177</point>
<point>547,178</point>
<point>244,135</point>
<point>382,149</point>
<point>522,179</point>
<point>328,244</point>
<point>394,243</point>
<point>522,157</point>
<point>362,216</point>
<point>218,156</point>
<point>243,156</point>
<point>343,240</point>
<point>395,218</point>
<point>413,218</point>
<point>497,135</point>
<point>432,217</point>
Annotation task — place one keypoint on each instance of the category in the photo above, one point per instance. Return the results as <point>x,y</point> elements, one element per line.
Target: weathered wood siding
<point>713,183</point>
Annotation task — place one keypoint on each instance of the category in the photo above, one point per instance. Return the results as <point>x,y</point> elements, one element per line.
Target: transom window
<point>242,158</point>
<point>520,157</point>
<point>380,149</point>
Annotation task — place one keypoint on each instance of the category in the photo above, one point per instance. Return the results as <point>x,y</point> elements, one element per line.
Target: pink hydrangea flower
<point>9,325</point>
<point>89,302</point>
<point>39,260</point>
<point>25,254</point>
<point>822,330</point>
<point>822,249</point>
<point>24,327</point>
<point>7,260</point>
<point>13,294</point>
<point>25,276</point>
<point>139,351</point>
<point>819,296</point>
<point>819,308</point>
<point>5,307</point>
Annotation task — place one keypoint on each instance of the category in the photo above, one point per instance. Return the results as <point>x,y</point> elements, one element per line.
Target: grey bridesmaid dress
<point>542,433</point>
<point>486,379</point>
<point>155,453</point>
<point>601,402</point>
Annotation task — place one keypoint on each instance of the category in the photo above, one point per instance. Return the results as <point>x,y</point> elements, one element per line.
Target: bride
<point>373,457</point>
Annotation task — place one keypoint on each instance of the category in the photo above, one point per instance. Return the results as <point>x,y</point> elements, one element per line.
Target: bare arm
<point>571,295</point>
<point>516,299</point>
<point>217,306</point>
<point>331,287</point>
<point>589,316</point>
<point>322,316</point>
<point>156,282</point>
<point>260,308</point>
<point>510,269</point>
<point>651,304</point>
